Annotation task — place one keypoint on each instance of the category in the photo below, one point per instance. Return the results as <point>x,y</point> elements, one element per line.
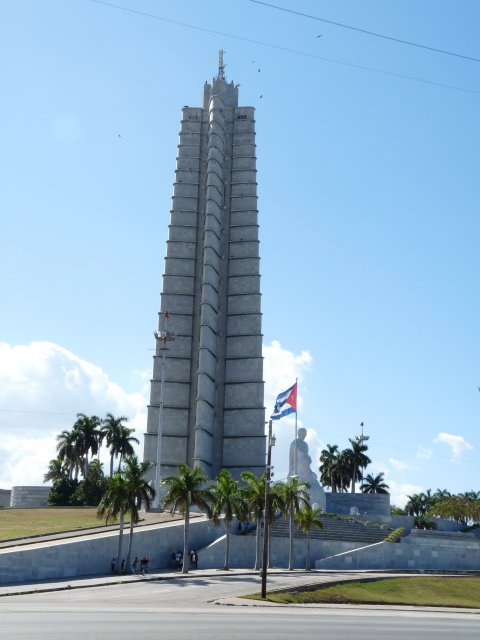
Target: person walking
<point>144,564</point>
<point>135,565</point>
<point>194,558</point>
<point>178,559</point>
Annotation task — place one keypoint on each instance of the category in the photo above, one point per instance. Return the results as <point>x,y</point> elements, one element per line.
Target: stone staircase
<point>334,528</point>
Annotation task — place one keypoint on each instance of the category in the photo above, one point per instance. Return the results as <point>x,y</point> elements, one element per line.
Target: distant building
<point>213,403</point>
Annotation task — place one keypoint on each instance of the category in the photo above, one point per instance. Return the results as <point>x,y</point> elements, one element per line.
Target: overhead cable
<point>287,49</point>
<point>365,31</point>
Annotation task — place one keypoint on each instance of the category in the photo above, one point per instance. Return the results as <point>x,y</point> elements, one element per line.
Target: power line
<point>287,49</point>
<point>365,31</point>
<point>47,413</point>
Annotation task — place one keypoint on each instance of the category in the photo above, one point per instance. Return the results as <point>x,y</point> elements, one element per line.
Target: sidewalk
<point>62,584</point>
<point>104,580</point>
<point>313,578</point>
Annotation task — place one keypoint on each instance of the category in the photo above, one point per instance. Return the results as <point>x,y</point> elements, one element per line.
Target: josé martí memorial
<point>207,392</point>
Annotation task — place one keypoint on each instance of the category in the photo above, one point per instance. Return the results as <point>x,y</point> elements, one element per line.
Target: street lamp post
<point>164,336</point>
<point>361,440</point>
<point>270,444</point>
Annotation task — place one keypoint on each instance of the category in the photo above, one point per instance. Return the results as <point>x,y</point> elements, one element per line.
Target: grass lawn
<point>22,523</point>
<point>436,591</point>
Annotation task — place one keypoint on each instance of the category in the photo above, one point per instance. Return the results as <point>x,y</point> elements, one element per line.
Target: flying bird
<point>320,35</point>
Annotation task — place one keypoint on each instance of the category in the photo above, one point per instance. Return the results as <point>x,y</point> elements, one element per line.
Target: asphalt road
<point>188,609</point>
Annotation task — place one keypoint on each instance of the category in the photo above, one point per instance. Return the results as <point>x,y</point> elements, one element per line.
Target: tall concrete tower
<point>207,396</point>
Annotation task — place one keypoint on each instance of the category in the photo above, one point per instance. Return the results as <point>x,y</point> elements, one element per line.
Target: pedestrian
<point>135,565</point>
<point>194,558</point>
<point>113,565</point>
<point>144,564</point>
<point>178,559</point>
<point>122,569</point>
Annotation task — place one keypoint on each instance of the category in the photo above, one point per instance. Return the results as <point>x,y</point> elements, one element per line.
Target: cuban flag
<point>286,403</point>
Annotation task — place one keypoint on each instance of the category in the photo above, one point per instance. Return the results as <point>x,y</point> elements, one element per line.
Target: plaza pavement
<point>284,579</point>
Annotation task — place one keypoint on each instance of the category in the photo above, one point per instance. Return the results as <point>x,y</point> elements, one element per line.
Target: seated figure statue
<point>299,449</point>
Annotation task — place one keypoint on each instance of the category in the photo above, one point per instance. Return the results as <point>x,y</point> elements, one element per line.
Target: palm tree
<point>327,466</point>
<point>358,460</point>
<point>124,444</point>
<point>469,496</point>
<point>226,500</point>
<point>88,437</point>
<point>55,472</point>
<point>306,518</point>
<point>114,503</point>
<point>189,488</point>
<point>374,484</point>
<point>138,492</point>
<point>441,494</point>
<point>68,452</point>
<point>110,430</point>
<point>341,471</point>
<point>415,505</point>
<point>254,496</point>
<point>294,496</point>
<point>276,505</point>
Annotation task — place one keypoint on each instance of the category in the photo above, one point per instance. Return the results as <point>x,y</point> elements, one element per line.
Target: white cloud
<point>399,491</point>
<point>457,444</point>
<point>423,453</point>
<point>42,388</point>
<point>280,369</point>
<point>399,465</point>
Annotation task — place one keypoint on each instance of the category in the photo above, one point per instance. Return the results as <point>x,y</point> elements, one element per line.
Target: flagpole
<point>296,435</point>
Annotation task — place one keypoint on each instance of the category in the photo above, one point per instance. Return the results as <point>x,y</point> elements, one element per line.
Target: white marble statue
<point>303,470</point>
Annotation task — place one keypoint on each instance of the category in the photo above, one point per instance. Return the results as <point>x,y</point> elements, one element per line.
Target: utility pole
<point>271,443</point>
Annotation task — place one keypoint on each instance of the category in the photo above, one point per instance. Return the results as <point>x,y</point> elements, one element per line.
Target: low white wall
<point>5,495</point>
<point>92,554</point>
<point>365,503</point>
<point>29,496</point>
<point>437,556</point>
<point>242,552</point>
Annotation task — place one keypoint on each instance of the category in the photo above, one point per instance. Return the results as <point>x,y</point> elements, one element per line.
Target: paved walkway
<point>301,578</point>
<point>104,580</point>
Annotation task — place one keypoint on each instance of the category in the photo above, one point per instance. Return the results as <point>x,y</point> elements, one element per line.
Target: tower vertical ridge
<point>213,402</point>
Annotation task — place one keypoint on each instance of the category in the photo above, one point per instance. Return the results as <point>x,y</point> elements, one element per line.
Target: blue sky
<point>368,197</point>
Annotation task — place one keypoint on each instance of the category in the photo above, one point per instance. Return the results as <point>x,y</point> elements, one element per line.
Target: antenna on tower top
<point>221,66</point>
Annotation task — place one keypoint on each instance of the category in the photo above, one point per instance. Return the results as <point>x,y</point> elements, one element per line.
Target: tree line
<point>77,476</point>
<point>78,480</point>
<point>223,498</point>
<point>342,469</point>
<point>463,508</point>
